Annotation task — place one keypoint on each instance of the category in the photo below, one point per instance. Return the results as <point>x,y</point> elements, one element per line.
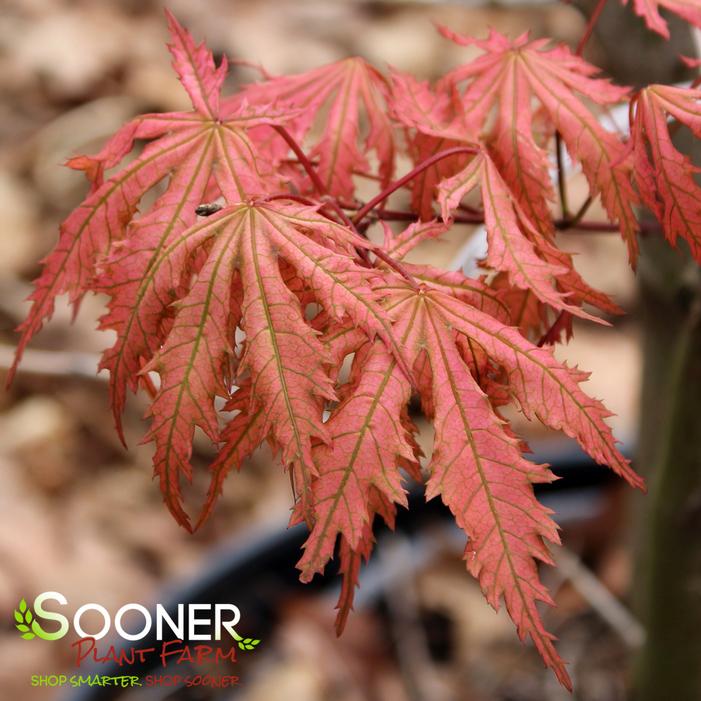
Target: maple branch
<point>302,158</point>
<point>393,187</point>
<point>596,227</point>
<point>577,218</point>
<point>361,173</point>
<point>396,265</point>
<point>560,224</point>
<point>591,24</point>
<point>318,184</point>
<point>352,223</point>
<point>395,215</point>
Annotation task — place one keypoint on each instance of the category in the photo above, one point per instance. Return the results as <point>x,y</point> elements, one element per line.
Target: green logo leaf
<point>248,643</point>
<point>23,620</point>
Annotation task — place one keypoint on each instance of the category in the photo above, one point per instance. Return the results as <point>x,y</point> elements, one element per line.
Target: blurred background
<point>82,516</point>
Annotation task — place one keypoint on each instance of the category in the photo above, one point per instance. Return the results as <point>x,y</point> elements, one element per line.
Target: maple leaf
<point>350,561</point>
<point>507,76</point>
<point>475,292</point>
<point>544,388</point>
<point>665,177</point>
<point>478,469</point>
<point>690,10</point>
<point>477,466</point>
<point>346,85</point>
<point>442,119</point>
<point>192,150</point>
<point>518,244</point>
<point>240,284</point>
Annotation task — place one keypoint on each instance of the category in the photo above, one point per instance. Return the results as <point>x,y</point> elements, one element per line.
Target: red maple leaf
<point>345,86</point>
<point>240,283</point>
<point>506,78</point>
<point>201,154</point>
<point>665,177</point>
<point>476,466</point>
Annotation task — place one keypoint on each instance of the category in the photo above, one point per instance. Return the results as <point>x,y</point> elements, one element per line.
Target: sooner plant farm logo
<point>167,637</point>
<point>226,616</point>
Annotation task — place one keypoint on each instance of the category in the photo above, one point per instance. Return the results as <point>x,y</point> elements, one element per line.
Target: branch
<point>393,187</point>
<point>352,223</point>
<point>577,218</point>
<point>590,26</point>
<point>302,158</point>
<point>573,224</point>
<point>319,186</point>
<point>396,265</point>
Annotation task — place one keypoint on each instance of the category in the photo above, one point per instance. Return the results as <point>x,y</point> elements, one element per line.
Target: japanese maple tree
<point>237,296</point>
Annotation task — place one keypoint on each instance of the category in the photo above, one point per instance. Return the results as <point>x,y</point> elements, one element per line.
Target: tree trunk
<point>669,566</point>
<point>667,586</point>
